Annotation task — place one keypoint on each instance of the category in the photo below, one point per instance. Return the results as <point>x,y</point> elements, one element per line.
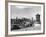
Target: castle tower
<point>38,18</point>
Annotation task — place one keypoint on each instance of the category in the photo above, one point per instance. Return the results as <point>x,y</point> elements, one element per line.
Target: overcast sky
<point>24,11</point>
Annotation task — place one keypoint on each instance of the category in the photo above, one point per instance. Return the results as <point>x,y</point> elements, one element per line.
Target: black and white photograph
<point>25,18</point>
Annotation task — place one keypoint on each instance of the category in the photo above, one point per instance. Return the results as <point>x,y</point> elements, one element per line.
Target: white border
<point>24,32</point>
